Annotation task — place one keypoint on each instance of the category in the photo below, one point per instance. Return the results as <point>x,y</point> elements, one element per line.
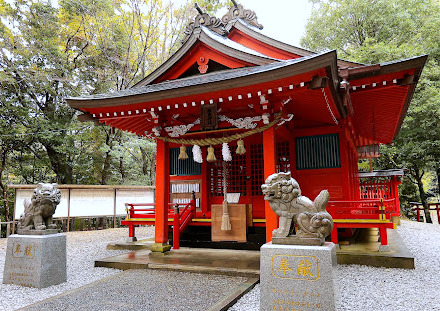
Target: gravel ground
<point>361,287</point>
<point>83,248</point>
<point>368,288</point>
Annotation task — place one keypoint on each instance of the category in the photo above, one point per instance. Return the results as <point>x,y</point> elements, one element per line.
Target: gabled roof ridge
<point>220,75</point>
<point>201,34</point>
<point>258,31</point>
<point>233,44</point>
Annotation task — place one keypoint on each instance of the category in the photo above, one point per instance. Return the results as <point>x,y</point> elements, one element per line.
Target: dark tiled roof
<point>197,80</point>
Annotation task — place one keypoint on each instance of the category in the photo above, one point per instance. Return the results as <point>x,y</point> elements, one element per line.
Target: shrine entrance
<point>233,106</point>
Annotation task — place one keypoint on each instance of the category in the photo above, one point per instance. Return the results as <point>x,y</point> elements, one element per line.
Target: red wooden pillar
<point>269,147</point>
<point>162,196</point>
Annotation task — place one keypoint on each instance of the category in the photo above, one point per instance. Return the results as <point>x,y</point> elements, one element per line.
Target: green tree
<point>77,48</point>
<point>378,31</point>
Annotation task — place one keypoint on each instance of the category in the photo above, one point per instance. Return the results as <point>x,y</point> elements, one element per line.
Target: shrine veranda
<point>233,106</point>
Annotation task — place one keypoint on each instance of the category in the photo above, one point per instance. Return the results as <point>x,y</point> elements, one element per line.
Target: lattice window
<point>283,157</point>
<point>236,180</point>
<point>237,174</point>
<point>183,167</point>
<point>216,179</point>
<point>314,152</point>
<point>257,168</point>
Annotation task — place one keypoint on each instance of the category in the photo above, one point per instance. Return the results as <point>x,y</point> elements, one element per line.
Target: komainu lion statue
<point>284,196</point>
<point>39,210</point>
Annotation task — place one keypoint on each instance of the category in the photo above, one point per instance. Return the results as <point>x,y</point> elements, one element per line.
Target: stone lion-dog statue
<point>313,221</point>
<point>38,211</point>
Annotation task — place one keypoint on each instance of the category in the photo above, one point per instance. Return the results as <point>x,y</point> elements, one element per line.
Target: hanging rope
<point>226,222</point>
<point>221,140</point>
<point>328,107</point>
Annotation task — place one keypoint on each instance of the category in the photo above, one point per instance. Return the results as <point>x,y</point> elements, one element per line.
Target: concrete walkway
<point>152,290</point>
<point>361,249</point>
<point>216,261</point>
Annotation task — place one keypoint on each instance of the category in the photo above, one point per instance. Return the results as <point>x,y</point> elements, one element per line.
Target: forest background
<point>77,47</point>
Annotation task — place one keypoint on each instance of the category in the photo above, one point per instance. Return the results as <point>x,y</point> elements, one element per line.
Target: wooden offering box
<point>237,216</point>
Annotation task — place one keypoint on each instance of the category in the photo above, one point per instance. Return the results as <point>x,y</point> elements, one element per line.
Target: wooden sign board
<point>237,215</point>
<point>208,117</point>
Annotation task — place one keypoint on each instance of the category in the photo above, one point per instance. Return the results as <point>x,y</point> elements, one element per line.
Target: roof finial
<point>238,12</point>
<point>203,19</point>
<point>198,8</point>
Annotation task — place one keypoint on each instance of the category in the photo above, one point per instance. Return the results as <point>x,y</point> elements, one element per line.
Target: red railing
<point>182,215</point>
<point>432,207</point>
<point>363,209</point>
<point>373,189</point>
<point>133,210</point>
<point>380,188</point>
<point>181,220</point>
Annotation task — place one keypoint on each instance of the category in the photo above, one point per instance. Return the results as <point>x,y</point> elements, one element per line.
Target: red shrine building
<point>233,106</point>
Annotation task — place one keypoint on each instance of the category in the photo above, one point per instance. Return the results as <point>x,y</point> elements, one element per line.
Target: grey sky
<point>283,20</point>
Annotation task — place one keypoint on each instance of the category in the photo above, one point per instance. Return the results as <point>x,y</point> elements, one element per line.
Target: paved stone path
<point>146,290</point>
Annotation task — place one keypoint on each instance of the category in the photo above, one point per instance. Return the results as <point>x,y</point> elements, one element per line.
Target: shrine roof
<point>112,98</point>
<point>382,173</point>
<point>258,34</point>
<point>372,98</point>
<point>232,44</point>
<point>380,96</point>
<point>233,41</point>
<point>207,37</point>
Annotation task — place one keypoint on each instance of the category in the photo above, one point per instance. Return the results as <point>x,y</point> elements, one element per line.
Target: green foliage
<point>379,31</point>
<point>48,53</point>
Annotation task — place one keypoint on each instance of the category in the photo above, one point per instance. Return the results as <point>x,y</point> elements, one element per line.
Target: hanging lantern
<point>211,155</point>
<point>226,153</point>
<point>197,154</point>
<point>183,155</point>
<point>240,147</point>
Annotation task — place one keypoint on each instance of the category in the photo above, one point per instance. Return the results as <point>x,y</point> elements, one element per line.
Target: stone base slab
<point>37,232</point>
<point>35,260</point>
<point>297,277</point>
<point>296,240</point>
<point>160,247</point>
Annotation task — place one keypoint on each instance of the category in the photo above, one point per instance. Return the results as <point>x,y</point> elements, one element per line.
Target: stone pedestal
<point>35,260</point>
<point>298,277</point>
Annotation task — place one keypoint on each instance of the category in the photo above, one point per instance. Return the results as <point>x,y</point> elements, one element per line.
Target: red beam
<point>269,146</point>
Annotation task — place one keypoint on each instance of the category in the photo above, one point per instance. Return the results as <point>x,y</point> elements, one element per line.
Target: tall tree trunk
<point>5,199</point>
<point>60,165</point>
<point>418,177</point>
<point>105,176</point>
<point>121,169</point>
<point>2,185</point>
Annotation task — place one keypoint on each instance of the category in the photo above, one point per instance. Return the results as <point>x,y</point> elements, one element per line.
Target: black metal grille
<point>315,152</point>
<point>184,167</point>
<point>257,168</point>
<point>283,157</point>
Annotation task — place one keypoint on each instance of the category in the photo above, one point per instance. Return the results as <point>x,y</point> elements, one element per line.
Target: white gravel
<point>83,248</point>
<point>369,288</point>
<point>361,287</point>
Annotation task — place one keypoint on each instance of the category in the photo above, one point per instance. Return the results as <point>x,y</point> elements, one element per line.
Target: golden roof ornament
<point>238,12</point>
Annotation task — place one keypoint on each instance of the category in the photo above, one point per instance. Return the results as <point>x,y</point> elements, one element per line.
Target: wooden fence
<point>420,212</point>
